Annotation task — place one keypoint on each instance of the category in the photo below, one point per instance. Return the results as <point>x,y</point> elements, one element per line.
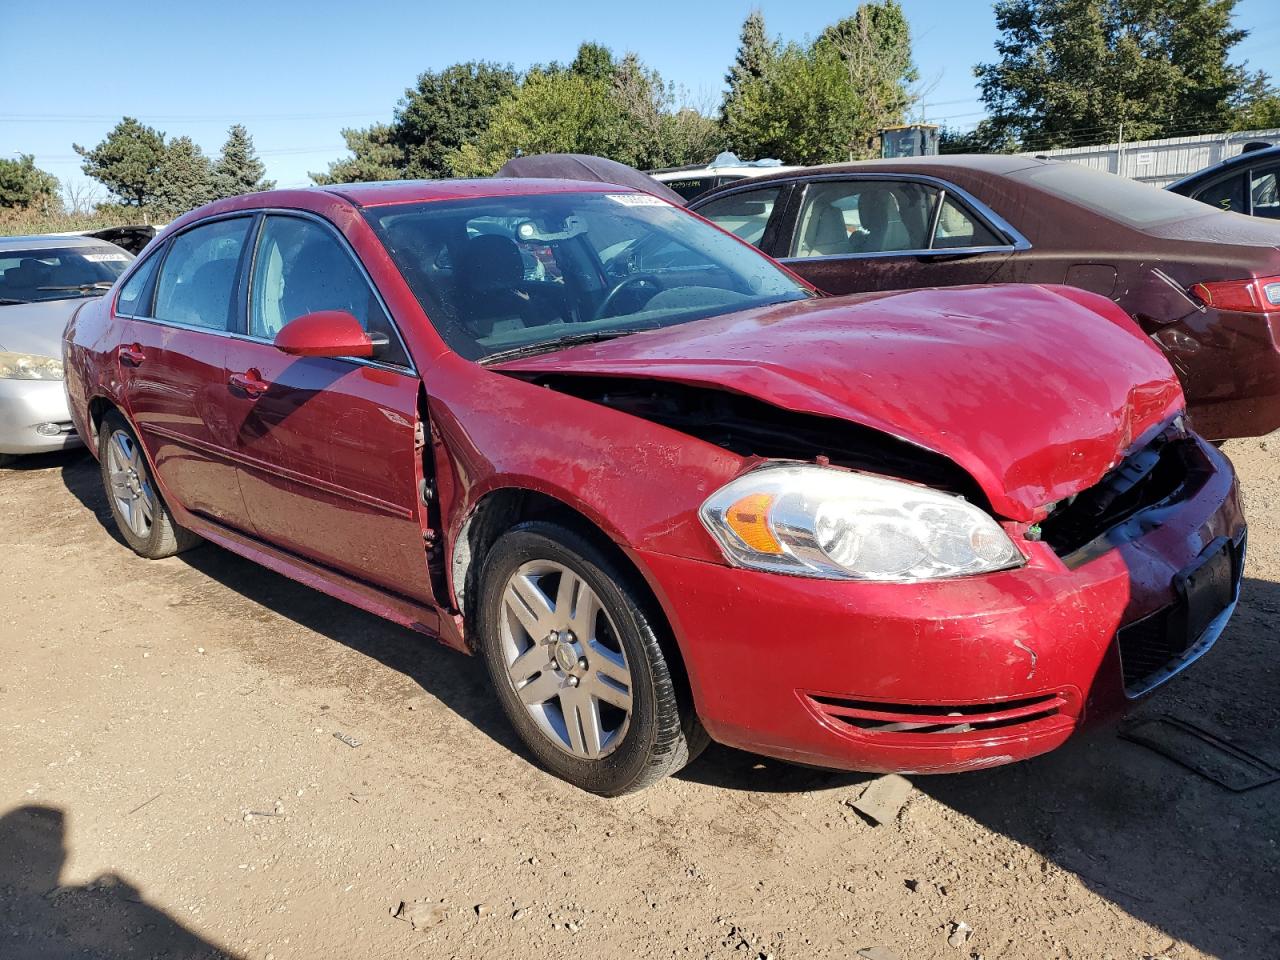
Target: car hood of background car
<point>36,327</point>
<point>1035,395</point>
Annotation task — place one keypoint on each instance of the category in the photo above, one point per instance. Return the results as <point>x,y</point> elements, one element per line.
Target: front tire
<point>577,664</point>
<point>141,514</point>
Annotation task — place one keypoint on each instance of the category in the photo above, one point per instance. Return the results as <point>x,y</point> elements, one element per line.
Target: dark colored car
<point>1248,183</point>
<point>1203,284</point>
<point>932,530</point>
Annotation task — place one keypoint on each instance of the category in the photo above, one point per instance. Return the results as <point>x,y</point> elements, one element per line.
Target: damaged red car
<point>930,531</point>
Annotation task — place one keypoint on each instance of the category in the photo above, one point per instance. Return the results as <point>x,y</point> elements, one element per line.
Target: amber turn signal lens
<point>749,519</point>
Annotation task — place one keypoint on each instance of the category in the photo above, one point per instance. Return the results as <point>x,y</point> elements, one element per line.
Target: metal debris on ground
<point>349,740</point>
<point>883,798</point>
<point>877,953</point>
<point>1201,752</point>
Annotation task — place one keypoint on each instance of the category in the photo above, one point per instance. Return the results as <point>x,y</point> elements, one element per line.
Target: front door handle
<point>132,355</point>
<point>250,383</point>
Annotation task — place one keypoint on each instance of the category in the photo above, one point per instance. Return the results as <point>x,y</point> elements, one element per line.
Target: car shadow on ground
<point>458,681</point>
<point>107,917</point>
<point>1158,841</point>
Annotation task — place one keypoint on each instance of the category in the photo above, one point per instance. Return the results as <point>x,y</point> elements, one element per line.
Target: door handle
<point>250,383</point>
<point>132,355</point>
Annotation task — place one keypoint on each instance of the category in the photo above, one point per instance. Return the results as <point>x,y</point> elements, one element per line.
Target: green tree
<point>238,169</point>
<point>1075,71</point>
<point>616,109</point>
<point>127,162</point>
<point>23,185</point>
<point>185,177</point>
<point>375,155</point>
<point>433,119</point>
<point>1257,105</point>
<point>825,101</point>
<point>755,52</point>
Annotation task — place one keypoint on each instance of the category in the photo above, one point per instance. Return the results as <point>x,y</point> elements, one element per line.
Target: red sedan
<point>934,530</point>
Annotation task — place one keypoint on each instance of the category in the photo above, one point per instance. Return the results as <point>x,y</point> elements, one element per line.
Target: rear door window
<point>198,280</point>
<point>841,218</point>
<point>745,215</point>
<point>1226,194</point>
<point>1263,192</point>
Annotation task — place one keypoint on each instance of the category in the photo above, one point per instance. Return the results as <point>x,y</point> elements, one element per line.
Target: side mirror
<point>326,333</point>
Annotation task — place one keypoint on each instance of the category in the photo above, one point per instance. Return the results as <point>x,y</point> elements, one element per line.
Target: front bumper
<point>26,405</point>
<point>940,676</point>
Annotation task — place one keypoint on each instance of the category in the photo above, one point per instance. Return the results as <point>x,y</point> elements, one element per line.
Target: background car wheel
<point>7,458</point>
<point>576,662</point>
<point>140,513</point>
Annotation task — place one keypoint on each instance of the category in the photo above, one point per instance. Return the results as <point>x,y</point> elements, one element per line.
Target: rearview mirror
<point>325,333</point>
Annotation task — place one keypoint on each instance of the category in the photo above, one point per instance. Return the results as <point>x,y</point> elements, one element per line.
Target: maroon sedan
<point>934,530</point>
<point>1205,285</point>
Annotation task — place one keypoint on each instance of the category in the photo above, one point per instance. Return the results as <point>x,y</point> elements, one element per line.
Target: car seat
<point>825,233</point>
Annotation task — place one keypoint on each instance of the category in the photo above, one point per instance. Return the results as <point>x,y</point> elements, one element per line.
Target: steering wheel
<point>633,280</point>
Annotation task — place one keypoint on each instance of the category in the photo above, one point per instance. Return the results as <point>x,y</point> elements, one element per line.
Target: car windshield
<point>500,276</point>
<point>1117,198</point>
<point>58,273</point>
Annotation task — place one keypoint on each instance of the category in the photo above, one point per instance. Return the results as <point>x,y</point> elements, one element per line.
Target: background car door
<point>329,468</point>
<point>176,320</point>
<point>855,235</point>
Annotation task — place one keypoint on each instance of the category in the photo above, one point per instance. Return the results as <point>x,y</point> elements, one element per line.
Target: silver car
<point>42,282</point>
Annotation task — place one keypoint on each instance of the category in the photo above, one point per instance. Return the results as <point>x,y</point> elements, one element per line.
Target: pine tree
<point>186,177</point>
<point>238,169</point>
<point>127,162</point>
<point>755,52</point>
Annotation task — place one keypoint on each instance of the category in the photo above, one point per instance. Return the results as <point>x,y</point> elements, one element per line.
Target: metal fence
<point>1160,162</point>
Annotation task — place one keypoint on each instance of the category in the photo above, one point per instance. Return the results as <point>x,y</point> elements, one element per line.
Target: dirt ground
<point>171,784</point>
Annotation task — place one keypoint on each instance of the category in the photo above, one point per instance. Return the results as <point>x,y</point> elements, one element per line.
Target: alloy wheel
<point>131,490</point>
<point>564,659</point>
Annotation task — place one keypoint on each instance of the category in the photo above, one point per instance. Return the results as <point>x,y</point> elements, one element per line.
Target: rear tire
<point>7,459</point>
<point>577,665</point>
<point>140,513</point>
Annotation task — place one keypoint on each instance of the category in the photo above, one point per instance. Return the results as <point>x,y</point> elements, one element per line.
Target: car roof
<point>993,164</point>
<point>47,241</point>
<point>416,191</point>
<point>1248,158</point>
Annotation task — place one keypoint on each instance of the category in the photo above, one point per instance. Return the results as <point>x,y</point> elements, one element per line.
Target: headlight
<point>820,522</point>
<point>29,366</point>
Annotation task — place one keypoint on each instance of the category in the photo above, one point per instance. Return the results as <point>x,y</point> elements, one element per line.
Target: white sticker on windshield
<point>636,200</point>
<point>106,258</point>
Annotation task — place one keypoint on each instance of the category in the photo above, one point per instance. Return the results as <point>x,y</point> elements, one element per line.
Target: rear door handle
<point>250,383</point>
<point>132,355</point>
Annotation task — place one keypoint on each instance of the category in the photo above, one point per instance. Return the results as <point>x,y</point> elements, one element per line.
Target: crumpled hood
<point>36,327</point>
<point>1034,394</point>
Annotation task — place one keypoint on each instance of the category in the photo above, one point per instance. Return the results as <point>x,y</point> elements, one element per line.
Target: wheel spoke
<point>602,689</point>
<point>589,717</point>
<point>145,509</point>
<point>585,613</point>
<point>570,706</point>
<point>528,663</point>
<point>609,664</point>
<point>546,686</point>
<point>119,483</point>
<point>567,595</point>
<point>530,606</point>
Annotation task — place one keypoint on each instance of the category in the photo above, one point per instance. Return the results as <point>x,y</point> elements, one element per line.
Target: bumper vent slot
<point>874,718</point>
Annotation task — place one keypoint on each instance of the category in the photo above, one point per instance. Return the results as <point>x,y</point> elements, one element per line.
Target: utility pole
<point>1120,151</point>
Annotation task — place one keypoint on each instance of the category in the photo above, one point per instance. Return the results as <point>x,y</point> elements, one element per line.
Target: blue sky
<point>296,72</point>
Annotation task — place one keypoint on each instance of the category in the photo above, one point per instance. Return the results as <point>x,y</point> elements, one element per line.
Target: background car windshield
<point>504,273</point>
<point>59,273</point>
<point>1117,198</point>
